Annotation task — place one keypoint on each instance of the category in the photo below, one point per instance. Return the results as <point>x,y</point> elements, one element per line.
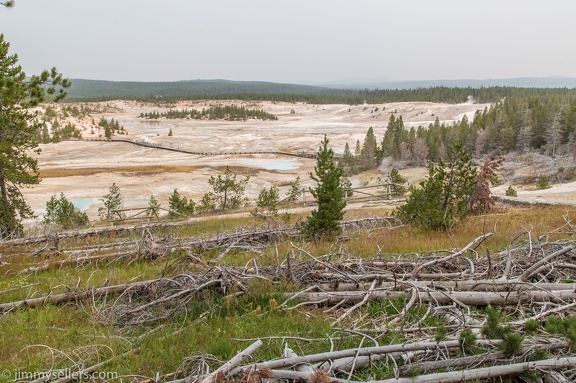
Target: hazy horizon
<point>299,42</point>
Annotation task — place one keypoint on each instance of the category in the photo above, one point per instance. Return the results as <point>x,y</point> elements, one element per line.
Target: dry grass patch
<point>135,170</point>
<point>516,224</point>
<point>141,170</point>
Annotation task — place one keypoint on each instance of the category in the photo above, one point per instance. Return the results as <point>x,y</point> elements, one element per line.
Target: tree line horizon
<point>170,92</point>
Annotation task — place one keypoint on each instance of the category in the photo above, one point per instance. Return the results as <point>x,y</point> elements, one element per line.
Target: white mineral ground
<point>131,166</point>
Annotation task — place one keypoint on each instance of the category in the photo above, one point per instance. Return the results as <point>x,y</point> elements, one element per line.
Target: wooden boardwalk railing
<point>302,154</point>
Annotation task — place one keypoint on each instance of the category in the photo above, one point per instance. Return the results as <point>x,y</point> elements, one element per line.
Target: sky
<point>293,41</point>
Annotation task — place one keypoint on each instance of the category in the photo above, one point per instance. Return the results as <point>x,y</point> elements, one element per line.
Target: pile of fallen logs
<point>323,367</point>
<point>534,281</point>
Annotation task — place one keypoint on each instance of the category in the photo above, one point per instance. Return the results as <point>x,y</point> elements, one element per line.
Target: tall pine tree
<point>19,127</point>
<point>324,221</point>
<point>369,153</point>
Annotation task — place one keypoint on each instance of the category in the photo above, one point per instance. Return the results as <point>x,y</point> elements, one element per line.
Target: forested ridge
<point>91,90</point>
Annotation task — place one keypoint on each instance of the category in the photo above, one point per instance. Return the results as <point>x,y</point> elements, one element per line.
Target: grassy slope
<point>57,337</point>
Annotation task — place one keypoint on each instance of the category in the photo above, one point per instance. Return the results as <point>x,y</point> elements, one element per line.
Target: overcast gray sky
<point>296,41</point>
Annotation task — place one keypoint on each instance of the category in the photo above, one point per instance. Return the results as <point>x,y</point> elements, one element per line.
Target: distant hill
<point>451,91</point>
<point>97,89</point>
<point>520,82</point>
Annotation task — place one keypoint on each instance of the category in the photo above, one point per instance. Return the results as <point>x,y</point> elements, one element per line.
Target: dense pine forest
<point>516,124</point>
<point>87,90</point>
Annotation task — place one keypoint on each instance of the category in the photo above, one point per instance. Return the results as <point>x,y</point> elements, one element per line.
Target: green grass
<point>60,336</point>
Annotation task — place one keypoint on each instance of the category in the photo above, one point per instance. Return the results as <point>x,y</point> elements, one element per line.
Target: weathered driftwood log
<point>355,352</point>
<point>74,296</point>
<point>235,361</point>
<point>259,234</point>
<point>289,353</point>
<point>488,372</point>
<point>75,261</point>
<point>462,285</point>
<point>91,232</point>
<point>472,360</point>
<point>471,298</point>
<point>455,376</point>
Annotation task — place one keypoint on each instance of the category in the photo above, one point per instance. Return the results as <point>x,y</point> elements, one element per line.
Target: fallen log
<point>471,298</point>
<point>75,261</point>
<point>472,360</point>
<point>487,372</point>
<point>235,361</point>
<point>454,376</point>
<point>487,285</point>
<point>354,352</point>
<point>127,229</point>
<point>91,232</point>
<point>74,296</point>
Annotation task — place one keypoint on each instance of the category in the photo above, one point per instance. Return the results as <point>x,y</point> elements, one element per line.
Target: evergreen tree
<point>357,151</point>
<point>443,199</point>
<point>153,208</point>
<point>112,201</point>
<point>295,191</point>
<point>179,207</point>
<point>553,136</point>
<point>19,125</point>
<point>394,136</point>
<point>397,189</point>
<point>228,192</point>
<point>539,121</point>
<point>45,135</point>
<point>369,152</point>
<point>207,203</point>
<point>56,131</point>
<point>324,221</point>
<point>568,122</point>
<point>175,205</point>
<point>267,203</point>
<point>63,212</point>
<point>107,131</point>
<point>388,140</point>
<point>400,135</point>
<point>347,161</point>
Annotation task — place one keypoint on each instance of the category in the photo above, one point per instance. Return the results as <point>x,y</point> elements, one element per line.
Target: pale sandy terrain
<point>292,132</point>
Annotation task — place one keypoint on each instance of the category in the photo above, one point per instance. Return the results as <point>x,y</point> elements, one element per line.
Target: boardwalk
<point>302,154</point>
